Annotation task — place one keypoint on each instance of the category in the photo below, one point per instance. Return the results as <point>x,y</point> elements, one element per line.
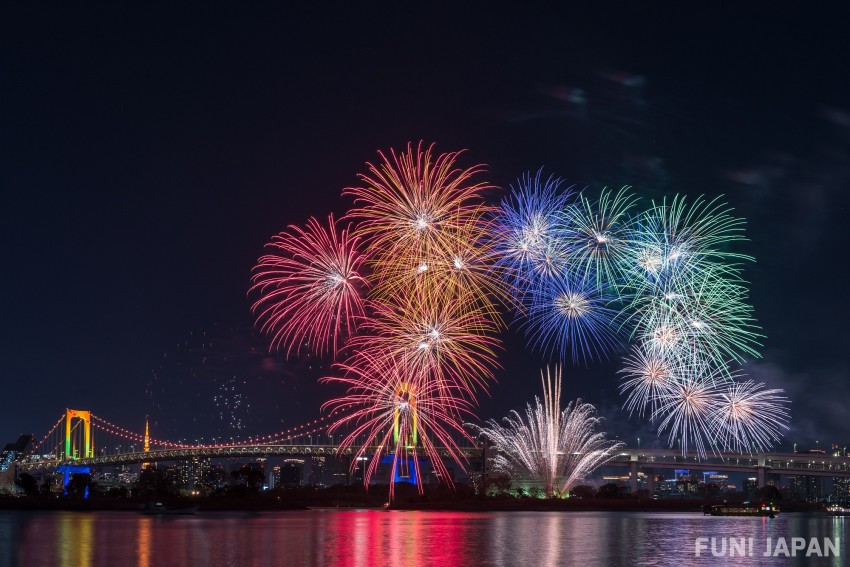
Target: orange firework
<point>447,343</point>
<point>423,221</point>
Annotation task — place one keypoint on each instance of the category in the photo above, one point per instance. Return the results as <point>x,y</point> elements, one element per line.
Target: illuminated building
<point>14,451</point>
<point>841,489</point>
<point>318,470</point>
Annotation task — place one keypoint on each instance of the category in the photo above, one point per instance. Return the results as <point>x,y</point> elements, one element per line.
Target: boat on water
<point>159,508</point>
<point>838,510</point>
<point>745,509</point>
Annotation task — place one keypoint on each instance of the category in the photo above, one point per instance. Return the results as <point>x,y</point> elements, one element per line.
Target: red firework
<point>310,287</point>
<point>392,413</point>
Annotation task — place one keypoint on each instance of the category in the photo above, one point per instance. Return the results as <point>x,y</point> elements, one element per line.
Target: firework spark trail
<point>558,448</point>
<point>310,287</point>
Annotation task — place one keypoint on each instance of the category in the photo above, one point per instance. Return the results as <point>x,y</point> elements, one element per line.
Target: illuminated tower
<point>147,441</point>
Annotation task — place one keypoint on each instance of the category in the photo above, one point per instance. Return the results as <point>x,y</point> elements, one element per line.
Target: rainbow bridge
<point>74,445</point>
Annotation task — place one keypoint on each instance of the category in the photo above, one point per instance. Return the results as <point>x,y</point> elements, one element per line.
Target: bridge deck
<point>783,463</point>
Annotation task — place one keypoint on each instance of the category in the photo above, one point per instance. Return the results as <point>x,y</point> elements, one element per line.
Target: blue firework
<point>528,230</point>
<point>568,315</point>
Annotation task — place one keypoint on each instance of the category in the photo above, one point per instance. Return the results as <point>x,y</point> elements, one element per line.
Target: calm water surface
<point>411,539</point>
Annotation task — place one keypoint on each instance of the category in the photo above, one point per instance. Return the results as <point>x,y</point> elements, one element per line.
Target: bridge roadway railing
<point>236,451</point>
<point>784,463</point>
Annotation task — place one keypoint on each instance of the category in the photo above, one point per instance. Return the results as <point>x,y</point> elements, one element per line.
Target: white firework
<point>555,447</point>
<point>749,418</point>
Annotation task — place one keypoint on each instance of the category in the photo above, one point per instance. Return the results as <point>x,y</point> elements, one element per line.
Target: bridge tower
<point>71,451</point>
<point>405,432</point>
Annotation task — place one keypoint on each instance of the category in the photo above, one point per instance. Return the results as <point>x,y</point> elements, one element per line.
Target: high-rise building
<point>814,488</point>
<point>274,478</point>
<point>14,451</point>
<point>193,472</point>
<point>795,489</point>
<point>292,472</point>
<point>841,489</point>
<point>318,470</point>
<point>806,488</point>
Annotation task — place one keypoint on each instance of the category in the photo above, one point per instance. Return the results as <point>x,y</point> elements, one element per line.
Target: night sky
<point>147,155</point>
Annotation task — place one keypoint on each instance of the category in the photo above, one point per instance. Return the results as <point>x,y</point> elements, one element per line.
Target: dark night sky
<point>147,155</point>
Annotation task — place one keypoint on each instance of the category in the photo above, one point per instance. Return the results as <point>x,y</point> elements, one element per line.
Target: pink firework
<point>310,288</point>
<point>389,413</point>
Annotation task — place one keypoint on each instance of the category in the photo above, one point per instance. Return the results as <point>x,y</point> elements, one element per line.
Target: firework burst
<point>439,265</point>
<point>310,288</point>
<point>390,413</point>
<point>647,377</point>
<point>411,203</point>
<point>449,344</point>
<point>597,237</point>
<point>687,408</point>
<point>528,230</point>
<point>750,418</point>
<point>568,315</point>
<point>558,448</point>
<point>707,317</point>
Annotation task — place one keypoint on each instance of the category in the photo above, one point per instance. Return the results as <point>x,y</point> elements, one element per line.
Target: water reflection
<point>143,546</point>
<point>366,538</point>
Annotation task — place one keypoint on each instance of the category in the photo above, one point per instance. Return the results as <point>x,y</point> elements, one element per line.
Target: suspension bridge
<point>80,438</point>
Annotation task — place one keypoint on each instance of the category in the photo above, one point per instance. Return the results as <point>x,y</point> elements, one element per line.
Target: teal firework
<point>597,236</point>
